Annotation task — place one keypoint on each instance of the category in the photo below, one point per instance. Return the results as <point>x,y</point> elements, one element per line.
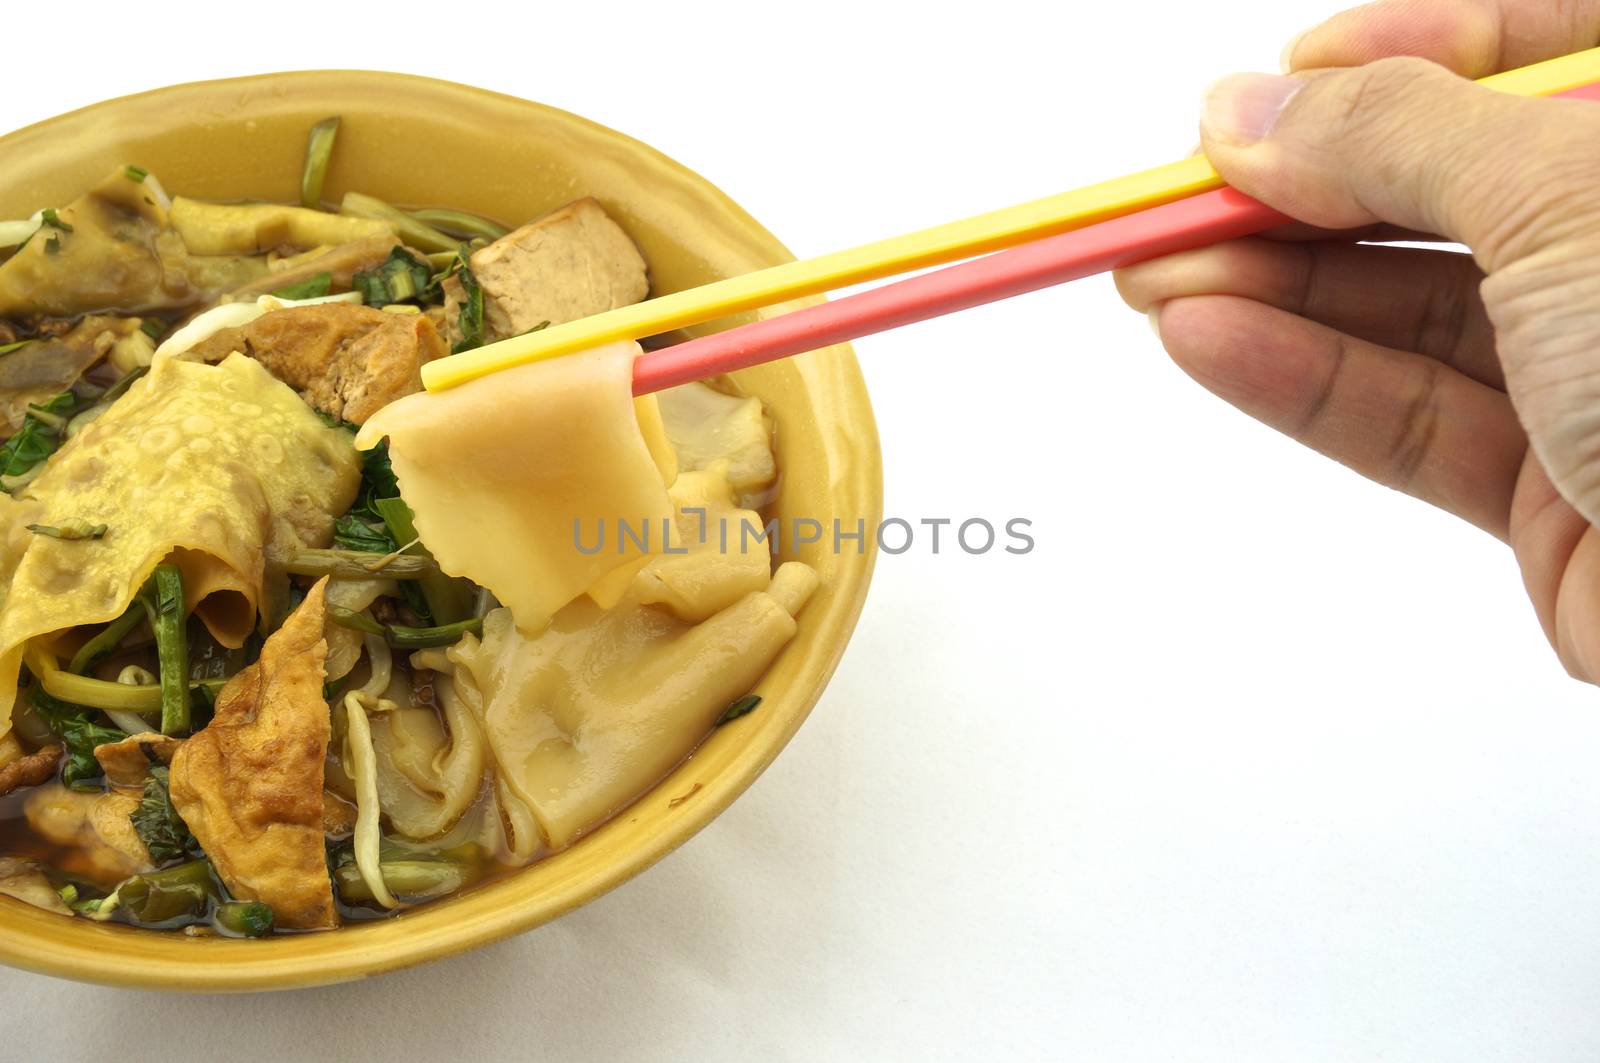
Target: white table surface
<point>1247,760</point>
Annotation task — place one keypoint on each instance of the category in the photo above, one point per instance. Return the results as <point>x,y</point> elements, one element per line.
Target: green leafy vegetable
<point>77,528</point>
<point>365,529</point>
<point>157,822</point>
<point>313,287</point>
<point>377,474</point>
<point>350,532</point>
<point>38,438</point>
<point>448,598</point>
<point>743,707</point>
<point>402,278</point>
<point>470,318</point>
<point>319,151</point>
<point>79,735</point>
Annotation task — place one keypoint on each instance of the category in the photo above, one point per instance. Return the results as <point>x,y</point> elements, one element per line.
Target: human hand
<point>1469,381</point>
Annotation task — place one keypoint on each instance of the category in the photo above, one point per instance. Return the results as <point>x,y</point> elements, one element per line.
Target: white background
<point>1249,760</point>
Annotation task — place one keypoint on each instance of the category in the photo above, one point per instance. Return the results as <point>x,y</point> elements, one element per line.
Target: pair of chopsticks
<point>1027,247</point>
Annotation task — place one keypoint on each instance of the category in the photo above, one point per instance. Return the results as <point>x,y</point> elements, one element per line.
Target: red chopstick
<point>1201,220</point>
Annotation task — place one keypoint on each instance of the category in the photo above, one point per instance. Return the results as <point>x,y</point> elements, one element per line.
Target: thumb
<point>1404,141</point>
<point>1517,180</point>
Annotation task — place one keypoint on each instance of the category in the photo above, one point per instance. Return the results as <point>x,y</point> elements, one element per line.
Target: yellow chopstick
<point>950,242</point>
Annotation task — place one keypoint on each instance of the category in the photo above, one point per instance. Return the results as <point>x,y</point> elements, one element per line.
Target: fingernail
<point>1153,315</point>
<point>1286,57</point>
<point>1243,108</point>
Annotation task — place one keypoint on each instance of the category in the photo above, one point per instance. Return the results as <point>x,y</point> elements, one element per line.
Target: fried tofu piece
<point>127,763</point>
<point>249,785</point>
<point>94,828</point>
<point>346,360</point>
<point>571,263</point>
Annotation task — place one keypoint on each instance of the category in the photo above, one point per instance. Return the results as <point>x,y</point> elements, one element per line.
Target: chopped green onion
<point>136,174</point>
<point>49,217</point>
<point>246,919</point>
<point>17,346</point>
<point>153,327</point>
<point>176,892</point>
<point>70,530</point>
<point>401,277</point>
<point>319,150</point>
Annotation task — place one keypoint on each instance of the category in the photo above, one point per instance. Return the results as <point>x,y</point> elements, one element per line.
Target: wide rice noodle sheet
<point>221,467</point>
<point>507,474</point>
<point>593,710</point>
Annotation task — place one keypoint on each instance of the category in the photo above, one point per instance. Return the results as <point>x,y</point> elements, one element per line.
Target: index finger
<point>1474,38</point>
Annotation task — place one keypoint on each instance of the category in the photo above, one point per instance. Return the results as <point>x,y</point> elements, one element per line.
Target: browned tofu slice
<point>346,360</point>
<point>571,263</point>
<point>249,785</point>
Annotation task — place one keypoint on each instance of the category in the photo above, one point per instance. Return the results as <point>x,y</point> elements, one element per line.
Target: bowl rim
<point>39,941</point>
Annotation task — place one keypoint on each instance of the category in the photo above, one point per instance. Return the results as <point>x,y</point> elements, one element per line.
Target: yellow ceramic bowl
<point>416,141</point>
